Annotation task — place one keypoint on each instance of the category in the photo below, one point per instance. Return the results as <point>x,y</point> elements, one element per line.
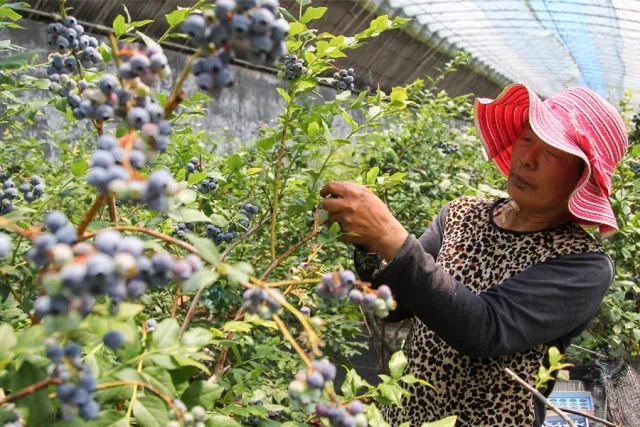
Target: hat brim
<point>500,122</point>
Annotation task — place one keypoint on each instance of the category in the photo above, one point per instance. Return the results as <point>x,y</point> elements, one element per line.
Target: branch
<point>288,337</point>
<point>29,390</point>
<point>288,253</point>
<point>540,397</point>
<point>148,231</point>
<point>178,95</point>
<point>7,224</point>
<point>91,213</point>
<point>113,210</point>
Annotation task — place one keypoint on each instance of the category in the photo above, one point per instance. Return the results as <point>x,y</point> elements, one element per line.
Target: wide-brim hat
<point>578,121</point>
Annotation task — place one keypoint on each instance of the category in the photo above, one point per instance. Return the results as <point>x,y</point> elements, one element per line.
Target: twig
<point>114,48</point>
<point>6,223</point>
<point>540,396</point>
<point>591,417</point>
<point>288,253</point>
<point>113,210</point>
<point>294,343</point>
<point>91,213</point>
<point>586,350</point>
<point>30,389</point>
<point>177,95</point>
<point>150,232</point>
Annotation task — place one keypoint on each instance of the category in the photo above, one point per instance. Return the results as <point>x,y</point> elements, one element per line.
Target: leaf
<point>196,338</point>
<point>234,162</point>
<point>187,196</point>
<point>397,364</point>
<point>312,13</point>
<point>150,411</point>
<point>352,383</point>
<point>202,393</point>
<point>166,333</point>
<point>296,28</point>
<point>313,129</point>
<point>283,93</point>
<point>182,214</point>
<point>398,95</point>
<point>119,26</point>
<point>392,392</point>
<point>375,417</point>
<point>177,16</point>
<point>222,421</point>
<point>374,110</point>
<point>239,272</point>
<point>445,422</point>
<point>206,248</point>
<point>347,118</point>
<point>8,12</point>
<point>38,403</point>
<point>411,379</point>
<point>201,279</point>
<point>372,175</point>
<point>237,326</point>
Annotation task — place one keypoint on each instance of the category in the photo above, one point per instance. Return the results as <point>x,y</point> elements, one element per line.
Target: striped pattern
<point>577,121</point>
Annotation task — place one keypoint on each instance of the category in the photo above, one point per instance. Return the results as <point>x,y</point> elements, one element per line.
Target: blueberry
<point>65,392</point>
<point>151,325</point>
<point>90,410</point>
<point>108,83</point>
<point>62,43</point>
<point>241,25</point>
<point>158,62</point>
<point>261,20</point>
<point>113,339</point>
<point>107,241</point>
<point>137,117</point>
<point>139,64</point>
<point>54,353</point>
<point>106,142</point>
<point>315,380</point>
<point>156,113</point>
<point>104,112</point>
<point>194,26</point>
<point>279,29</point>
<point>384,292</point>
<point>347,278</point>
<point>66,234</point>
<point>136,288</point>
<point>70,21</point>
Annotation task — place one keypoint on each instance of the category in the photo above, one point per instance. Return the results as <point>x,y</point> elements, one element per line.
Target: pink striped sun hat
<point>577,121</point>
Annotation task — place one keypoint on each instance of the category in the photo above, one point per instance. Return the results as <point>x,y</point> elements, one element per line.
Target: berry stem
<point>291,282</point>
<point>114,48</point>
<point>148,231</point>
<point>177,95</point>
<point>276,182</point>
<point>29,390</point>
<point>294,344</point>
<point>63,9</point>
<point>91,213</point>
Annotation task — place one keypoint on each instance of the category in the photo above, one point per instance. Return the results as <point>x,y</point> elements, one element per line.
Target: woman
<point>494,283</point>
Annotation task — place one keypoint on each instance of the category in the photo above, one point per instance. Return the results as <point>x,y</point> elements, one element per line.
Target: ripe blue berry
<point>114,340</point>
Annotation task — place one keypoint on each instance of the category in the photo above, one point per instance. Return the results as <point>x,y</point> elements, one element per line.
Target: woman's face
<point>541,177</point>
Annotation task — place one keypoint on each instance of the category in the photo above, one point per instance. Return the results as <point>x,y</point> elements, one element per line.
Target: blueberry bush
<point>146,280</point>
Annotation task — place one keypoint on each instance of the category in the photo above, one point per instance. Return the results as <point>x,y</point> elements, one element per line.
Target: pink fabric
<point>577,121</point>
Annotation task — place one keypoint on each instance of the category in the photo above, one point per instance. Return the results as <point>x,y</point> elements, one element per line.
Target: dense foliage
<point>146,280</point>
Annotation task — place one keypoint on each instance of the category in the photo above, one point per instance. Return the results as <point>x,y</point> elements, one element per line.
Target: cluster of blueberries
<point>635,167</point>
<point>69,37</point>
<point>77,395</point>
<point>31,191</point>
<point>257,23</point>
<point>249,210</point>
<point>180,229</point>
<point>340,285</point>
<point>149,65</point>
<point>60,73</point>
<point>219,236</point>
<point>208,185</point>
<point>5,245</point>
<point>293,67</point>
<point>192,165</point>
<point>113,265</point>
<point>306,393</point>
<point>447,148</point>
<point>344,79</point>
<point>264,304</point>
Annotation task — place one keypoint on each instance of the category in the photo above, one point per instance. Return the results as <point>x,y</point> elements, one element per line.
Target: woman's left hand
<point>361,212</point>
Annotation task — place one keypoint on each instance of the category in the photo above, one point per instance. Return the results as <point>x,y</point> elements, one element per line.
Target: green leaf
<point>411,379</point>
<point>196,177</point>
<point>119,26</point>
<point>372,175</point>
<point>234,162</point>
<point>312,13</point>
<point>313,129</point>
<point>296,28</point>
<point>206,248</point>
<point>138,24</point>
<point>373,112</point>
<point>222,421</point>
<point>398,94</point>
<point>397,364</point>
<point>201,279</point>
<point>375,417</point>
<point>238,273</point>
<point>352,383</point>
<point>177,16</point>
<point>150,411</point>
<point>445,422</point>
<point>8,12</point>
<point>196,338</point>
<point>38,403</point>
<point>237,326</point>
<point>166,333</point>
<point>182,214</point>
<point>283,93</point>
<point>202,393</point>
<point>392,392</point>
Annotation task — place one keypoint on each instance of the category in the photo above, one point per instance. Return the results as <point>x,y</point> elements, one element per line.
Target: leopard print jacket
<point>480,255</point>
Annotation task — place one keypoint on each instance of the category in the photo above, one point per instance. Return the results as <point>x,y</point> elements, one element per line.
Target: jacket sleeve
<point>548,301</point>
<point>370,264</point>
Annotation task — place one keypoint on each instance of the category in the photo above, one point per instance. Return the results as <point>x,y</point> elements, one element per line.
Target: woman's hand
<point>361,212</point>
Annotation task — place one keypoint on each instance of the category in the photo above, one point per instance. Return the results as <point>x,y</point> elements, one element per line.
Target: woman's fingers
<point>339,189</point>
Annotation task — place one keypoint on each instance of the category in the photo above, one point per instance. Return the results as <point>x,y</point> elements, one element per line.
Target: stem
<point>114,48</point>
<point>288,337</point>
<point>148,231</point>
<point>176,298</point>
<point>177,95</point>
<point>29,390</point>
<point>288,253</point>
<point>586,350</point>
<point>63,10</point>
<point>291,282</point>
<point>91,213</point>
<point>6,223</point>
<point>540,397</point>
<point>276,183</point>
<point>113,210</point>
